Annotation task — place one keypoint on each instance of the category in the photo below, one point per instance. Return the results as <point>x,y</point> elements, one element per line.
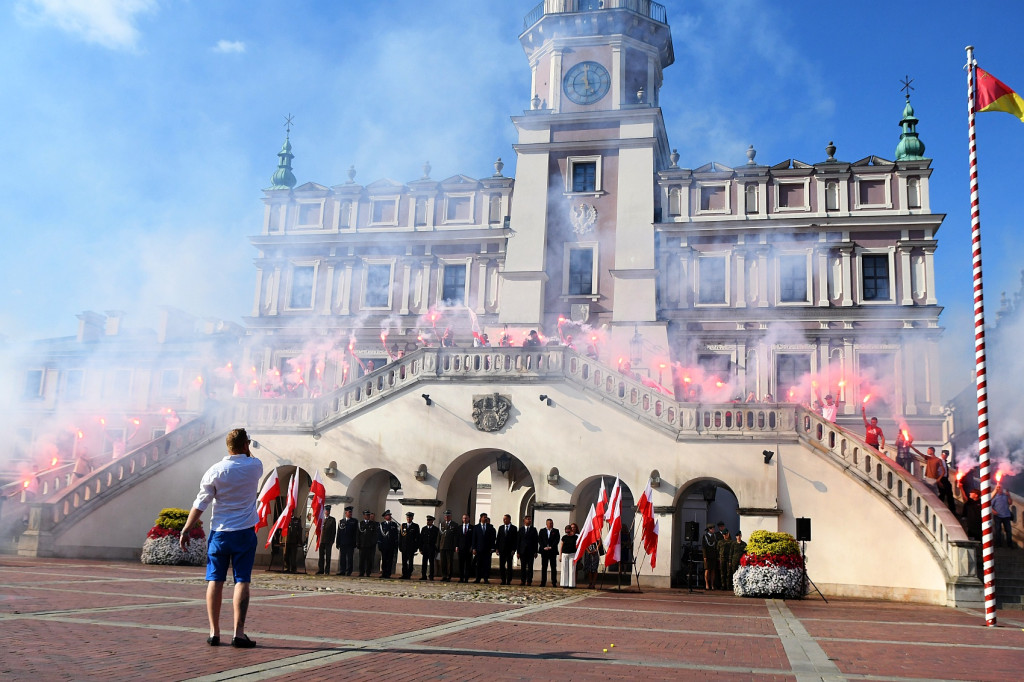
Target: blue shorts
<point>237,547</point>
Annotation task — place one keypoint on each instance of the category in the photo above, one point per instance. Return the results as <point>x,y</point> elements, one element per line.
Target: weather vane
<point>288,124</point>
<point>907,87</point>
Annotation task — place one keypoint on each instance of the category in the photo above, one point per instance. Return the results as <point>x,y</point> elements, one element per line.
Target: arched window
<point>832,195</point>
<point>750,198</point>
<point>914,193</point>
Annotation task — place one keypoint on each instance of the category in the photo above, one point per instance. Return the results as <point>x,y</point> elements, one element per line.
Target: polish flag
<point>601,507</point>
<point>319,493</point>
<point>270,492</point>
<point>590,534</point>
<point>651,543</point>
<point>286,515</point>
<point>648,526</point>
<point>614,543</point>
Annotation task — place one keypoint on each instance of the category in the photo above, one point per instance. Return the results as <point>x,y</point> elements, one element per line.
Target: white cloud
<point>229,46</point>
<point>110,23</point>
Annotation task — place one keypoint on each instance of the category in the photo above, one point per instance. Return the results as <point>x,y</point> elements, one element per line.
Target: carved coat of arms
<point>490,412</point>
<point>583,217</point>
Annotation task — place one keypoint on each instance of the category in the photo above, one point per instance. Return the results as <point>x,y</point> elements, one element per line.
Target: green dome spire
<point>910,147</point>
<point>283,177</point>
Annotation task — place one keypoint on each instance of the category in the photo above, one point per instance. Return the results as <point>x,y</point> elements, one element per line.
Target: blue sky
<point>139,133</point>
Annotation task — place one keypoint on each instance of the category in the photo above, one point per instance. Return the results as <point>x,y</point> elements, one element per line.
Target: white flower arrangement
<point>769,581</point>
<point>167,551</point>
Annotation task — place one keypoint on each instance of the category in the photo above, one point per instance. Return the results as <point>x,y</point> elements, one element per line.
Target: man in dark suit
<point>464,548</point>
<point>408,543</point>
<point>367,543</point>
<point>387,540</point>
<point>447,544</point>
<point>429,536</point>
<point>548,539</point>
<point>292,546</point>
<point>507,543</point>
<point>327,533</point>
<point>483,547</point>
<point>348,538</point>
<point>527,551</point>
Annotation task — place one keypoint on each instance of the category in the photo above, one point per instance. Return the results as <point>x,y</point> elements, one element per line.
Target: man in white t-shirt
<point>231,485</point>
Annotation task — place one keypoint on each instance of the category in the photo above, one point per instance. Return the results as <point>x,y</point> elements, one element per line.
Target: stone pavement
<point>82,620</point>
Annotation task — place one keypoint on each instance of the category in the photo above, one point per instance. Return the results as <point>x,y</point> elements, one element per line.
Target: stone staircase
<point>1010,578</point>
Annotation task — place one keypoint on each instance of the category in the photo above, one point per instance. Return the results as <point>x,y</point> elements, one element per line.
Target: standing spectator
<point>507,543</point>
<point>327,534</point>
<point>568,551</point>
<point>903,444</point>
<point>408,543</point>
<point>873,435</point>
<point>548,540</point>
<point>945,487</point>
<point>739,548</point>
<point>231,485</point>
<point>1002,515</point>
<point>292,544</point>
<point>387,540</point>
<point>429,536</point>
<point>709,547</point>
<point>828,410</point>
<point>447,544</point>
<point>483,548</point>
<point>348,538</point>
<point>591,562</point>
<point>934,469</point>
<point>464,548</point>
<point>527,551</point>
<point>970,515</point>
<point>725,548</point>
<point>367,543</point>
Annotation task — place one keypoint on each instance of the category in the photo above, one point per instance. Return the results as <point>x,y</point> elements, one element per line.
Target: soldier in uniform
<point>348,538</point>
<point>708,545</point>
<point>367,543</point>
<point>327,535</point>
<point>447,544</point>
<point>429,536</point>
<point>739,548</point>
<point>408,543</point>
<point>725,546</point>
<point>387,540</point>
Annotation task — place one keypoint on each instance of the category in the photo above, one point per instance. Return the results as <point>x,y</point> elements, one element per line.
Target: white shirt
<point>232,485</point>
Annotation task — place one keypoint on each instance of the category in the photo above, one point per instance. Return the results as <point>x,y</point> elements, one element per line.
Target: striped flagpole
<point>987,560</point>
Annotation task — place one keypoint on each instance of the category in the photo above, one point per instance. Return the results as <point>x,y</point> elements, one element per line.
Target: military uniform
<point>448,541</point>
<point>725,547</point>
<point>292,544</point>
<point>739,548</point>
<point>387,540</point>
<point>408,543</point>
<point>709,548</point>
<point>348,538</point>
<point>367,544</point>
<point>327,535</point>
<point>429,537</point>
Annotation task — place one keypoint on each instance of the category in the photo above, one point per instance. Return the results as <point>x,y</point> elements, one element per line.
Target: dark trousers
<point>465,564</point>
<point>323,565</point>
<point>526,576</point>
<point>345,559</point>
<point>505,567</point>
<point>1003,523</point>
<point>427,564</point>
<point>387,562</point>
<point>447,563</point>
<point>546,559</point>
<point>408,563</point>
<point>483,566</point>
<point>366,560</point>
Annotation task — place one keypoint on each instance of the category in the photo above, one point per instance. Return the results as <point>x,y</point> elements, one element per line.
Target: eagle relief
<point>490,412</point>
<point>583,217</point>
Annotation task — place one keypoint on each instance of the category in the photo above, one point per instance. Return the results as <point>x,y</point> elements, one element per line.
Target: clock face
<point>586,82</point>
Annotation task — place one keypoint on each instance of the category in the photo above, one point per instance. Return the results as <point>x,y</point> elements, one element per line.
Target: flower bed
<point>162,544</point>
<point>772,567</point>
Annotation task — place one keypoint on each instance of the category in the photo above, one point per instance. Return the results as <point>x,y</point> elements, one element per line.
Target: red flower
<point>158,532</point>
<point>780,560</point>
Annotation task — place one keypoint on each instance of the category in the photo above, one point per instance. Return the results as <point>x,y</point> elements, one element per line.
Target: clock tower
<point>589,149</point>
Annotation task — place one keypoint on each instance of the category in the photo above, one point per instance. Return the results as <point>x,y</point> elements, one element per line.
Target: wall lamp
<point>547,400</point>
<point>421,473</point>
<point>768,454</point>
<point>331,469</point>
<point>655,479</point>
<point>553,476</point>
<point>426,397</point>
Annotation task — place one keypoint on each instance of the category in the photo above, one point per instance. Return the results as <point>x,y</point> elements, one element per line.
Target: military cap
<point>349,508</point>
<point>408,515</point>
<point>387,512</point>
<point>366,511</point>
<point>327,507</point>
<point>711,525</point>
<point>722,524</point>
<point>429,517</point>
<point>447,512</point>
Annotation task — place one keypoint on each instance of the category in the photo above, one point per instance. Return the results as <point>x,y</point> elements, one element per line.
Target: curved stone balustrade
<point>908,494</point>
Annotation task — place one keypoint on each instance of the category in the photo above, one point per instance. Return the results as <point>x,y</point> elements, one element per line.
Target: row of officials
<point>461,548</point>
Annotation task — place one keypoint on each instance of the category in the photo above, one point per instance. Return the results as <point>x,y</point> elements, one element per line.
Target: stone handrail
<point>905,492</point>
<point>647,8</point>
<point>80,497</point>
<point>648,404</point>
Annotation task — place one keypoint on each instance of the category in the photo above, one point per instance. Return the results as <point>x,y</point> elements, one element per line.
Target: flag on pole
<point>994,95</point>
<point>648,526</point>
<point>289,506</point>
<point>651,543</point>
<point>319,493</point>
<point>590,534</point>
<point>601,506</point>
<point>270,492</point>
<point>614,543</point>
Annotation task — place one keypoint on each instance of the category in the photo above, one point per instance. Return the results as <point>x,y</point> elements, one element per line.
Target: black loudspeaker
<point>803,530</point>
<point>692,531</point>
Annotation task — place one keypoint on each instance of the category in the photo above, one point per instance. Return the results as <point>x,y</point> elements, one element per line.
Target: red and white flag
<point>648,526</point>
<point>590,534</point>
<point>286,516</point>
<point>614,543</point>
<point>265,501</point>
<point>319,493</point>
<point>601,506</point>
<point>651,543</point>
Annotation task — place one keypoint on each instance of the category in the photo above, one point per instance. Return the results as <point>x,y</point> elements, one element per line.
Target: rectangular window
<point>458,209</point>
<point>712,198</point>
<point>378,286</point>
<point>831,195</point>
<point>421,211</point>
<point>584,176</point>
<point>170,383</point>
<point>119,384</point>
<point>382,211</point>
<point>33,384</point>
<point>789,370</point>
<point>345,214</point>
<point>711,280</point>
<point>914,193</point>
<point>716,366</point>
<point>876,277</point>
<point>494,209</point>
<point>454,287</point>
<point>74,384</point>
<point>872,192</point>
<point>309,214</point>
<point>791,195</point>
<point>302,287</point>
<point>792,279</point>
<point>581,272</point>
<point>750,198</point>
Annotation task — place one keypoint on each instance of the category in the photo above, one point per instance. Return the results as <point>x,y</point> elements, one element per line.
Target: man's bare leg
<point>214,595</point>
<point>240,601</point>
